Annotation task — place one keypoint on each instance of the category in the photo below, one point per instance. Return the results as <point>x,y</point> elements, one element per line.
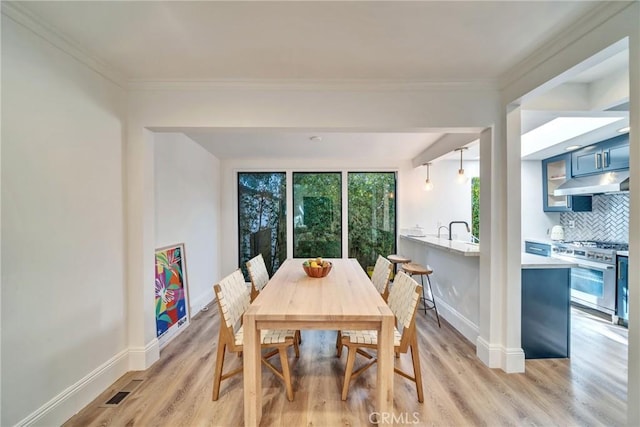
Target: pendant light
<point>428,185</point>
<point>461,176</point>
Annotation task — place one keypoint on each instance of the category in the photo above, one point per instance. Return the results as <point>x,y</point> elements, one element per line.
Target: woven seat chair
<point>381,276</point>
<point>403,302</point>
<point>233,299</point>
<point>259,278</point>
<point>380,279</point>
<point>258,274</point>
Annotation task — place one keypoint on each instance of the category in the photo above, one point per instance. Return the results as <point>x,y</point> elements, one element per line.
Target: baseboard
<point>510,360</point>
<point>513,360</point>
<point>70,401</point>
<point>465,326</point>
<point>200,302</point>
<point>489,354</point>
<point>140,358</point>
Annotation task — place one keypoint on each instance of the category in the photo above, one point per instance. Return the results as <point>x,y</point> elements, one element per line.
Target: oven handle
<point>595,266</point>
<point>587,264</point>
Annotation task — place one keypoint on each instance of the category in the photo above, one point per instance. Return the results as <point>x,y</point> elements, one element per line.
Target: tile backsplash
<point>608,221</point>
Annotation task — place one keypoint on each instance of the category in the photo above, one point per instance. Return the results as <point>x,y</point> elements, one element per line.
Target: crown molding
<point>338,85</point>
<point>22,16</point>
<point>566,37</point>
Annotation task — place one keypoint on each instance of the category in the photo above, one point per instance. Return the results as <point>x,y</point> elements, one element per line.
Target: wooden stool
<point>395,260</point>
<point>412,268</point>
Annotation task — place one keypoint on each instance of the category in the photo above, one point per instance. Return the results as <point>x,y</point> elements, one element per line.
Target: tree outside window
<point>262,218</point>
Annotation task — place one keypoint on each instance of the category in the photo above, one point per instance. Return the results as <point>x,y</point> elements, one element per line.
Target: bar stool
<point>412,268</point>
<point>395,260</point>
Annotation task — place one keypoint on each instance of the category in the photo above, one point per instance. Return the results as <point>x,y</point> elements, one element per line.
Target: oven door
<point>594,285</point>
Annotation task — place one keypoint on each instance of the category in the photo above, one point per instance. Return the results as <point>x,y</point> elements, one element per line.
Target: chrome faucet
<point>458,222</point>
<point>442,226</point>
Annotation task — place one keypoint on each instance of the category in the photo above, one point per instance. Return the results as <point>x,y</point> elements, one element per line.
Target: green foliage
<point>475,207</point>
<point>372,216</point>
<point>317,218</point>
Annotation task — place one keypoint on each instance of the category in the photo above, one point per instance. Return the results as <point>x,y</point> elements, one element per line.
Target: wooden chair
<point>259,278</point>
<point>258,274</point>
<point>380,278</point>
<point>403,301</point>
<point>233,299</point>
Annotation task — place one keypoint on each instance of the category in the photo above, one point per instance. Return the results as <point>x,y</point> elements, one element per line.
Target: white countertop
<point>455,246</point>
<point>531,261</point>
<point>623,253</point>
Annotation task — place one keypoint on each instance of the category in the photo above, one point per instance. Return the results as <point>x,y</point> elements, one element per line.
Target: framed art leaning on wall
<point>171,293</point>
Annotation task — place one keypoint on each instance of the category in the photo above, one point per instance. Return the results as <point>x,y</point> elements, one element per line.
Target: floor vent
<point>122,394</point>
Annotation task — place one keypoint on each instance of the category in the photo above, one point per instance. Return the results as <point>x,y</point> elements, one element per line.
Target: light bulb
<point>462,178</point>
<point>428,185</point>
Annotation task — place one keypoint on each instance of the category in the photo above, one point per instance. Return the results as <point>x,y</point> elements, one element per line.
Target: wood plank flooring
<point>587,390</point>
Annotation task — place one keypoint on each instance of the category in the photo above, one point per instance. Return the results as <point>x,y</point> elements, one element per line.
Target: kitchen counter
<point>531,261</point>
<point>455,246</point>
<point>623,253</point>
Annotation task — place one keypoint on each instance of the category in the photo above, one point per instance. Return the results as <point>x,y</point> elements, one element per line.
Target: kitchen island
<point>456,286</point>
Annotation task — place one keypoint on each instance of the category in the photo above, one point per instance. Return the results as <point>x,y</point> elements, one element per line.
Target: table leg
<point>385,370</point>
<point>252,372</point>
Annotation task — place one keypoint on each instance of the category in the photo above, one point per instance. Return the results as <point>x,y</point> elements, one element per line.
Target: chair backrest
<point>258,274</point>
<point>381,275</point>
<point>233,300</point>
<point>403,302</point>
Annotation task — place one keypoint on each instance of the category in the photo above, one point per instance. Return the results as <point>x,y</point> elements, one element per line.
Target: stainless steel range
<point>593,283</point>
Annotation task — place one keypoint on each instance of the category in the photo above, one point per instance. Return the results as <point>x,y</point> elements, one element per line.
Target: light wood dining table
<point>344,299</point>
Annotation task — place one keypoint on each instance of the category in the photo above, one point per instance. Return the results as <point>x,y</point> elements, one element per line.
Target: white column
<point>633,388</point>
<point>514,355</point>
<point>140,254</point>
<point>492,230</point>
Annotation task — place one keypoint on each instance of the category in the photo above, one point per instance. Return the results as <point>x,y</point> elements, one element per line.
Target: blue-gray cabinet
<point>555,171</point>
<point>622,306</point>
<point>546,313</point>
<point>609,155</point>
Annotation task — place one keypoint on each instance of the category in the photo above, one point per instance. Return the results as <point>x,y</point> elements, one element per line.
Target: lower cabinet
<point>546,313</point>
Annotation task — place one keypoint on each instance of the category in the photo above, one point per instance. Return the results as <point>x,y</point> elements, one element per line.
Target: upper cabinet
<point>609,155</point>
<point>555,171</point>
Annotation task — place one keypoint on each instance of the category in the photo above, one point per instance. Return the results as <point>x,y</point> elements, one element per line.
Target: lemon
<point>314,264</point>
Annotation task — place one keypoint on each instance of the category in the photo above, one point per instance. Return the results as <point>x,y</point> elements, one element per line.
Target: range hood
<point>609,182</point>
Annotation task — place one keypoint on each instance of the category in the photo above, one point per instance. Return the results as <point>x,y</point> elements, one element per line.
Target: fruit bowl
<point>317,267</point>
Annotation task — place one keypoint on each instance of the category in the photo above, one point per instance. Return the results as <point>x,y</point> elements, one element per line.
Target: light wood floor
<point>587,390</point>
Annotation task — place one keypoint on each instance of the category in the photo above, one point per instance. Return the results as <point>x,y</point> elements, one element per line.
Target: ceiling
<point>310,41</point>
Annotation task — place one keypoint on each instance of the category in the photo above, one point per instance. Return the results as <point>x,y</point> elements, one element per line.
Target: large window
<point>317,214</point>
<point>262,218</point>
<point>372,216</point>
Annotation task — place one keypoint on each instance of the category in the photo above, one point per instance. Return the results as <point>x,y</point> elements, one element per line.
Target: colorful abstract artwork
<point>171,296</point>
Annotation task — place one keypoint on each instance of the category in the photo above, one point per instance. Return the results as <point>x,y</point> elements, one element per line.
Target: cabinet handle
<point>606,159</point>
<point>597,157</point>
<point>619,270</point>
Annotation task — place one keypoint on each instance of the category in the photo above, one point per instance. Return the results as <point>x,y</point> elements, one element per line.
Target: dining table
<point>343,300</point>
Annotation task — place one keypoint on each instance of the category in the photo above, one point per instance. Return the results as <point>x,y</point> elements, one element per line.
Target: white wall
<point>63,287</point>
<point>536,224</point>
<point>448,201</point>
<point>187,210</point>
